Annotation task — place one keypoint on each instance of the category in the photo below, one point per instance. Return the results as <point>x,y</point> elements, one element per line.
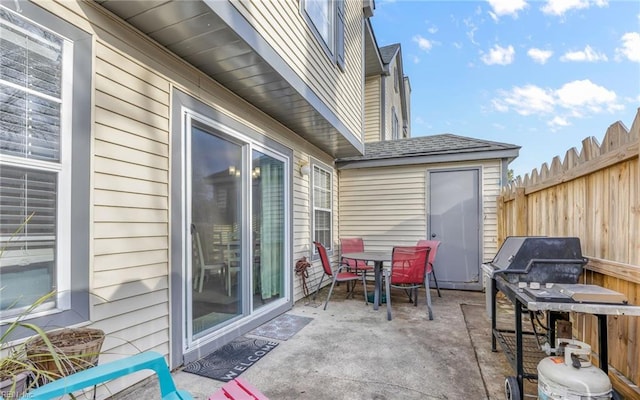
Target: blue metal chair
<point>112,370</point>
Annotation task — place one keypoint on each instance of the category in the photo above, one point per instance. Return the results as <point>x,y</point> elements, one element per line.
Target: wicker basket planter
<point>75,349</point>
<point>14,386</point>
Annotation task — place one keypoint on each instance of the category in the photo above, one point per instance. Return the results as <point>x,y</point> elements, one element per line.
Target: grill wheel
<point>511,388</point>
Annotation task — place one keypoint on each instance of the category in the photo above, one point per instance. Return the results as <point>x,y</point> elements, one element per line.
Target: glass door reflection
<point>268,220</point>
<point>216,237</point>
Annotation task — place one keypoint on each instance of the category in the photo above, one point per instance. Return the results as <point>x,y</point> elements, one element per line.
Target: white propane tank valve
<point>572,376</point>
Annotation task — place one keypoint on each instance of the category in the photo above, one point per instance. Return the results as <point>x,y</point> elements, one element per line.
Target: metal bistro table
<point>378,258</point>
<point>523,352</point>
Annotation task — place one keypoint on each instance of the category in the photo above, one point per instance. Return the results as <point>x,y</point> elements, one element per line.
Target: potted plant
<point>17,373</point>
<point>64,351</point>
<point>45,356</point>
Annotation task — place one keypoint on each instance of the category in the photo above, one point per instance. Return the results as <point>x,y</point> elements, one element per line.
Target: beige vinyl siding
<point>285,29</point>
<point>372,115</point>
<point>383,205</point>
<point>303,246</point>
<point>392,101</point>
<point>387,205</point>
<point>129,260</point>
<point>301,218</point>
<point>491,187</point>
<point>131,205</point>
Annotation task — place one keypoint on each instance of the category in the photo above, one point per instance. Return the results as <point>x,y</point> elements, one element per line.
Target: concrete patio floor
<point>351,351</point>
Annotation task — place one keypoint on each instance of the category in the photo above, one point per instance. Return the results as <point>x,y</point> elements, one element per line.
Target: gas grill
<point>533,272</point>
<point>522,263</point>
<point>538,259</point>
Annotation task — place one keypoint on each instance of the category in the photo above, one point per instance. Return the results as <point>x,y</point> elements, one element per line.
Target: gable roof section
<point>373,64</point>
<point>427,150</point>
<point>388,52</point>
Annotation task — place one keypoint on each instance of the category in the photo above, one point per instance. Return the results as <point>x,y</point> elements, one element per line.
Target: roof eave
<point>505,154</point>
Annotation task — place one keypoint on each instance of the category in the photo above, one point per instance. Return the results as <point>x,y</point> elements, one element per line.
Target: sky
<point>543,75</point>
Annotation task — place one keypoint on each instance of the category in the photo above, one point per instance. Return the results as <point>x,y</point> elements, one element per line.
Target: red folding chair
<point>354,245</point>
<point>338,275</point>
<point>433,245</point>
<point>407,272</point>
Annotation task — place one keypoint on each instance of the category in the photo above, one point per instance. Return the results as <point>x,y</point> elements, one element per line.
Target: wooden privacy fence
<point>593,195</point>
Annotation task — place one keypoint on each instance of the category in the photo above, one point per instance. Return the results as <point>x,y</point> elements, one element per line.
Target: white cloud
<point>526,100</point>
<point>506,7</point>
<point>499,55</point>
<point>457,45</point>
<point>423,43</point>
<point>558,121</point>
<point>540,56</point>
<point>560,7</point>
<point>416,59</point>
<point>584,95</point>
<point>576,99</point>
<point>630,47</point>
<point>587,55</point>
<point>471,32</point>
<point>433,29</point>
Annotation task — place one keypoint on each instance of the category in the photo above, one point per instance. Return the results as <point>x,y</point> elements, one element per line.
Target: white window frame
<point>321,167</point>
<point>70,304</point>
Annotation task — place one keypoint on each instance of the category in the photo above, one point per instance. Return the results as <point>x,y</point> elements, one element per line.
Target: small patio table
<point>378,257</point>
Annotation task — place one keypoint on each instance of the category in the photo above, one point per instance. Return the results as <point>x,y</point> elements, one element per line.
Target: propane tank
<point>572,376</point>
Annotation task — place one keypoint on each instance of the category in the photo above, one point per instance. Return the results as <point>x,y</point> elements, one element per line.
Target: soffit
<point>200,32</point>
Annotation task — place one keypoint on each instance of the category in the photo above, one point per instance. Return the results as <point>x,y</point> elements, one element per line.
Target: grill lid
<point>540,259</point>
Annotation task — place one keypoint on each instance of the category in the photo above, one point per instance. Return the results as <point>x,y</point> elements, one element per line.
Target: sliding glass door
<point>236,228</point>
<point>215,229</point>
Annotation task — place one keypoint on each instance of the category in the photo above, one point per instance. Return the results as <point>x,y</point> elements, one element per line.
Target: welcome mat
<point>282,327</point>
<point>232,359</point>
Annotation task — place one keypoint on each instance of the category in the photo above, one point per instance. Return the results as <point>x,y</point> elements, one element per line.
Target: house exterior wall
<point>133,79</point>
<point>285,28</point>
<point>392,99</point>
<point>407,100</point>
<point>396,204</point>
<point>372,109</point>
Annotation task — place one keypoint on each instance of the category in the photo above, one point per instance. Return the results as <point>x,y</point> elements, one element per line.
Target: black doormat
<point>282,327</point>
<point>232,359</point>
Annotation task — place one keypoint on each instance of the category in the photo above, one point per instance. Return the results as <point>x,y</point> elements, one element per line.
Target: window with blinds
<point>322,209</point>
<point>31,158</point>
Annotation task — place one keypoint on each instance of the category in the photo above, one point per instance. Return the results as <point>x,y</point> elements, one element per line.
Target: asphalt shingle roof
<point>427,146</point>
<point>387,52</point>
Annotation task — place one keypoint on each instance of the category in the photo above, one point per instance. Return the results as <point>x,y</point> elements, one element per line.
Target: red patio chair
<point>408,266</point>
<point>337,275</point>
<point>433,245</point>
<point>354,245</point>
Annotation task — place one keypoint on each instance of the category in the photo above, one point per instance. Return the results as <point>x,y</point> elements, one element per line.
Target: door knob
<point>433,235</point>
